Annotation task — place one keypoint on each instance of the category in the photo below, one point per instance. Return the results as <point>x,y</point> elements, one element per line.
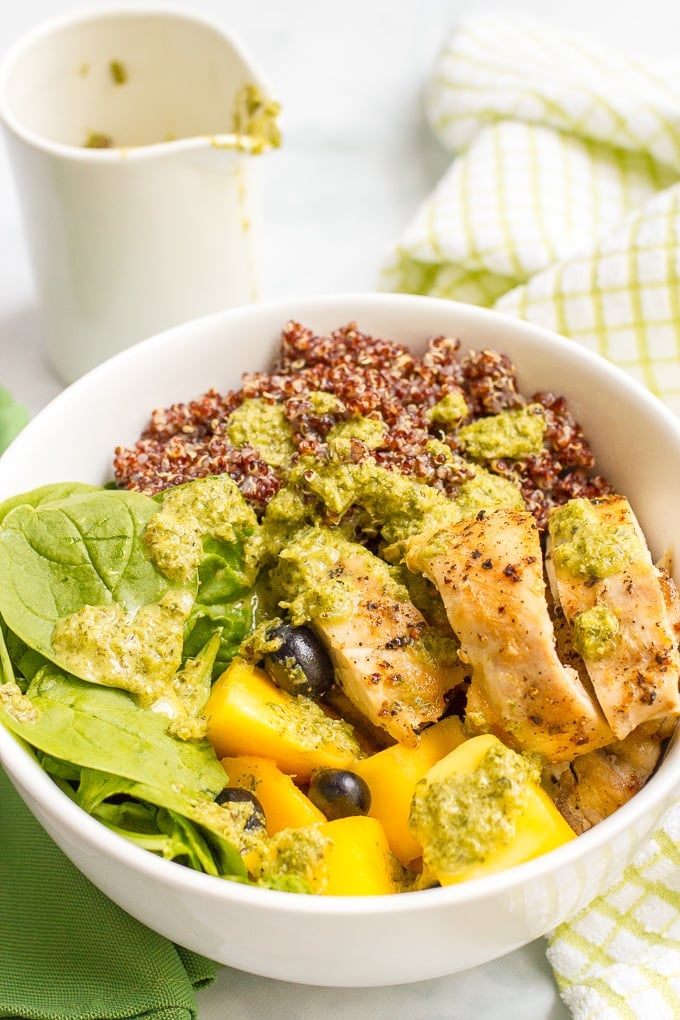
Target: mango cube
<point>392,775</point>
<point>532,827</point>
<point>357,861</point>
<point>248,715</point>
<point>284,805</point>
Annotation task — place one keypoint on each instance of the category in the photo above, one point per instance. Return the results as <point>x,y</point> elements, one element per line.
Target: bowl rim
<point>360,301</point>
<point>49,798</point>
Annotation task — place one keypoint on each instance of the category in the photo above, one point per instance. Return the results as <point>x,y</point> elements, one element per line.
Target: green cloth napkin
<point>69,953</point>
<point>66,951</point>
<point>561,205</point>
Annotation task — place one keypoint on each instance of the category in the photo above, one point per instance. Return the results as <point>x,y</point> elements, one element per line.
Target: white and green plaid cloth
<point>562,201</point>
<point>562,205</point>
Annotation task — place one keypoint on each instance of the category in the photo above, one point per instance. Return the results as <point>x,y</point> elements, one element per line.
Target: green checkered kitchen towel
<point>66,951</point>
<point>562,205</point>
<point>562,201</point>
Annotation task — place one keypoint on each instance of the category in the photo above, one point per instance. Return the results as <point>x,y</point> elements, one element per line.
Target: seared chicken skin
<point>489,572</point>
<point>375,636</point>
<point>596,784</point>
<point>621,609</point>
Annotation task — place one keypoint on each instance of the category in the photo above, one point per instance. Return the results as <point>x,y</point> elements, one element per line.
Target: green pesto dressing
<point>514,434</point>
<point>184,697</point>
<point>255,119</point>
<point>324,402</point>
<point>213,506</point>
<point>486,491</point>
<point>309,577</point>
<point>292,859</point>
<point>586,548</point>
<point>462,819</point>
<point>595,632</point>
<point>260,641</point>
<point>567,520</point>
<point>98,140</point>
<point>263,426</point>
<point>397,506</point>
<point>139,651</point>
<point>450,411</point>
<point>230,821</point>
<point>118,72</point>
<point>307,724</point>
<point>369,430</point>
<point>439,451</point>
<point>16,704</point>
<point>312,579</point>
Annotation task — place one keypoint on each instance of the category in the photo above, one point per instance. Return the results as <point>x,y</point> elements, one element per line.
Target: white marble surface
<point>357,160</point>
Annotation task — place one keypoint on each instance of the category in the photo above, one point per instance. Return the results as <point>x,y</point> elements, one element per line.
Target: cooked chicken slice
<point>488,570</point>
<point>376,637</point>
<point>671,596</point>
<point>594,785</point>
<point>617,604</point>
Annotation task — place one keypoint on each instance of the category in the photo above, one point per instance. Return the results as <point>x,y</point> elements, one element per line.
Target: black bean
<point>238,795</point>
<point>301,665</point>
<point>339,793</point>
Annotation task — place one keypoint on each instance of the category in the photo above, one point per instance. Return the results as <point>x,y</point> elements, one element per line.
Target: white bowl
<point>349,941</point>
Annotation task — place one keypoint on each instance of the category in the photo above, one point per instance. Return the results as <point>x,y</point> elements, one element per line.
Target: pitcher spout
<point>131,78</point>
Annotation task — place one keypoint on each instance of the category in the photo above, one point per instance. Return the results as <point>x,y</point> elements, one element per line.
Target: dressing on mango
<point>462,818</point>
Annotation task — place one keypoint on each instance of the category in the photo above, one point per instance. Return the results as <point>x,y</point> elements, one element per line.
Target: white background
<point>357,160</point>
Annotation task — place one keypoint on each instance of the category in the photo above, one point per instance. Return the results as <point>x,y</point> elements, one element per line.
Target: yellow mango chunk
<point>392,775</point>
<point>248,715</point>
<point>531,824</point>
<point>356,861</point>
<point>284,805</point>
<point>345,857</point>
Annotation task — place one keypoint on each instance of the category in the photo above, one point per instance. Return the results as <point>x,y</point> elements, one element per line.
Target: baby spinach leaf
<point>209,845</point>
<point>131,818</point>
<point>7,675</point>
<point>44,494</point>
<point>207,515</point>
<point>233,621</point>
<point>192,683</point>
<point>193,845</point>
<point>26,661</point>
<point>206,529</point>
<point>223,573</point>
<point>102,728</point>
<point>148,836</point>
<point>171,836</point>
<point>59,769</point>
<point>85,549</point>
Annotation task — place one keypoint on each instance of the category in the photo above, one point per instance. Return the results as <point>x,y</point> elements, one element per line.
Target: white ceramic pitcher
<point>132,135</point>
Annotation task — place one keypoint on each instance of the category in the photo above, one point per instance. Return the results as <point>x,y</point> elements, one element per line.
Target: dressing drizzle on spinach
<point>93,634</point>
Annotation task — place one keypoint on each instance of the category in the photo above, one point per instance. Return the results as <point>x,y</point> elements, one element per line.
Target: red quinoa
<point>372,378</point>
